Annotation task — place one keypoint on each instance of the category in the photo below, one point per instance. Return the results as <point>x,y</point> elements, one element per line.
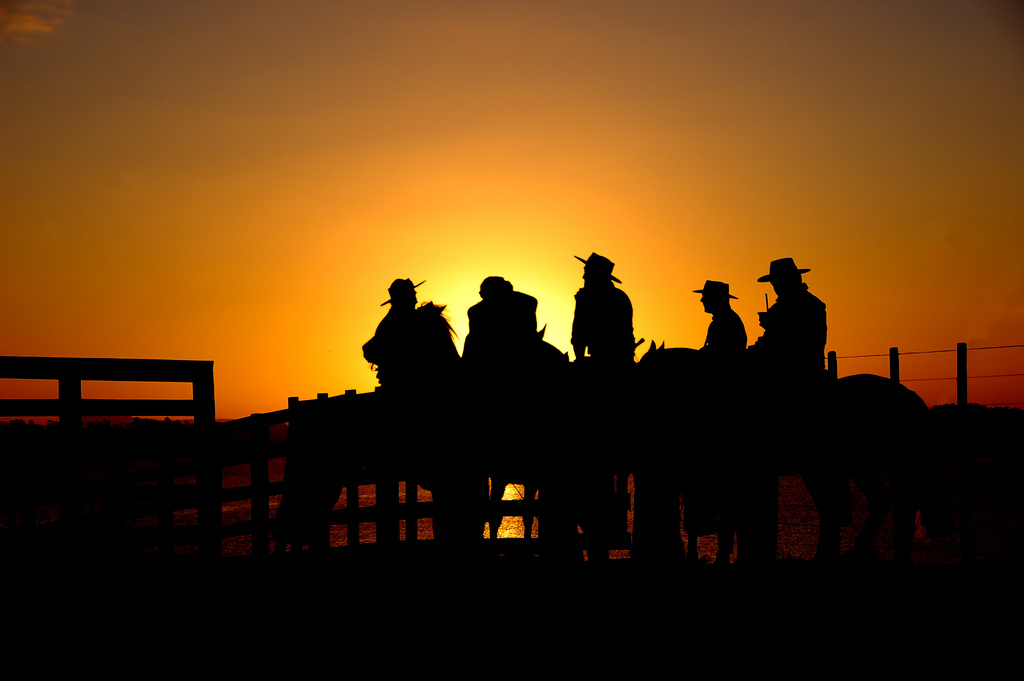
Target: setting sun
<point>242,185</point>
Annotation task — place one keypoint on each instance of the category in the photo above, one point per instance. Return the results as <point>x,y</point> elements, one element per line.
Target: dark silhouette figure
<point>502,327</point>
<point>726,339</point>
<point>788,360</point>
<point>877,436</point>
<point>603,323</point>
<point>419,370</point>
<point>602,340</point>
<point>507,361</point>
<point>880,428</point>
<point>667,380</point>
<point>690,404</point>
<point>412,348</point>
<point>792,349</point>
<point>315,475</point>
<point>710,487</point>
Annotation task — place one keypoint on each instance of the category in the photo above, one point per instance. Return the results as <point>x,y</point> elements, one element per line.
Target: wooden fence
<point>57,480</point>
<point>125,507</point>
<point>69,372</point>
<point>165,495</point>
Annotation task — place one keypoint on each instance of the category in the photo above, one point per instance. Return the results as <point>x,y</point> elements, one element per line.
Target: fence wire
<point>949,378</point>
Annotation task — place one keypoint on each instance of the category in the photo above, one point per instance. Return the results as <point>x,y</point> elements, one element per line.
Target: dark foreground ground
<point>619,617</point>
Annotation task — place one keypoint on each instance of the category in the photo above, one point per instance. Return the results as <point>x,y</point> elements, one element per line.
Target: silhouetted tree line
<point>20,437</point>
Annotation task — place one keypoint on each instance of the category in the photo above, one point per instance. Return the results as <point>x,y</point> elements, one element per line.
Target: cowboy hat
<point>599,265</point>
<point>783,268</point>
<point>716,289</point>
<point>402,286</point>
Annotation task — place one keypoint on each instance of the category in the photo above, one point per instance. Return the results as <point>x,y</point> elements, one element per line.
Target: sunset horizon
<point>242,186</point>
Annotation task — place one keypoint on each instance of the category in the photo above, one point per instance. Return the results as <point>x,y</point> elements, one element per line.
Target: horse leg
<point>826,488</point>
<point>529,494</point>
<point>726,504</point>
<point>869,481</point>
<point>904,513</point>
<point>497,492</point>
<point>691,557</point>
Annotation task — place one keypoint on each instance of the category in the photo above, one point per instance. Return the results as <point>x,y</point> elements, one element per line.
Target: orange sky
<point>241,182</point>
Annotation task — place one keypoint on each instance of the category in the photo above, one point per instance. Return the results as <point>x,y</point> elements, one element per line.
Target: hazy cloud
<point>23,20</point>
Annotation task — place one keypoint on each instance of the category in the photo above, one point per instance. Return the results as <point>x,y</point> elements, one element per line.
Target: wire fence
<point>895,353</point>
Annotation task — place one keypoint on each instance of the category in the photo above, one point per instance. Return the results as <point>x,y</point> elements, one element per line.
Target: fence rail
<point>69,372</point>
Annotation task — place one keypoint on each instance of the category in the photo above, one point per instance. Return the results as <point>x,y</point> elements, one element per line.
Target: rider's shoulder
<point>816,301</point>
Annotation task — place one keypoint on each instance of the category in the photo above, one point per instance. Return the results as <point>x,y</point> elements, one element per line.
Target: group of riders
<point>413,348</point>
<point>495,382</point>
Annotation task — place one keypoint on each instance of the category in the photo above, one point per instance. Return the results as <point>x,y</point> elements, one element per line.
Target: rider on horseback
<point>726,339</point>
<point>789,359</point>
<point>603,322</point>
<point>711,494</point>
<point>412,348</point>
<point>502,326</point>
<point>792,349</point>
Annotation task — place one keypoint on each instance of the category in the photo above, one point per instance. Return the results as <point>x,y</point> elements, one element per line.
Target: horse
<point>875,427</point>
<point>517,404</point>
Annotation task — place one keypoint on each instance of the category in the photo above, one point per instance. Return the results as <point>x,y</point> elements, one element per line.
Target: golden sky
<point>240,182</point>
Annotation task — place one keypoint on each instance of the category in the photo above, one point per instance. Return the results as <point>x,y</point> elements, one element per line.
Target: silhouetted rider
<point>726,339</point>
<point>413,346</point>
<point>789,361</point>
<point>712,484</point>
<point>603,323</point>
<point>417,366</point>
<point>603,327</point>
<point>502,326</point>
<point>792,348</point>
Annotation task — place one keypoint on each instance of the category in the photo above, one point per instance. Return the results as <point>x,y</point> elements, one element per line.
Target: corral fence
<point>959,442</point>
<point>73,490</point>
<point>175,491</point>
<point>208,489</point>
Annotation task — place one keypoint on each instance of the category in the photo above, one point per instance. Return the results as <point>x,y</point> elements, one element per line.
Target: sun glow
<point>249,200</point>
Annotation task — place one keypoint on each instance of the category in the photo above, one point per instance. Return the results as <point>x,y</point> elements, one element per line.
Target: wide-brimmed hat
<point>599,265</point>
<point>716,289</point>
<point>401,287</point>
<point>783,268</point>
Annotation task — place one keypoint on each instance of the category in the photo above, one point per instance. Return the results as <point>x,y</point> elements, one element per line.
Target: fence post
<point>411,513</point>
<point>69,393</point>
<point>259,486</point>
<point>894,364</point>
<point>833,365</point>
<point>966,524</point>
<point>961,374</point>
<point>203,397</point>
<point>165,505</point>
<point>352,511</point>
<point>210,483</point>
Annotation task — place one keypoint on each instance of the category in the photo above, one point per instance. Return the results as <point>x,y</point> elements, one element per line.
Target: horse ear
<point>540,334</point>
<point>653,347</point>
<point>662,345</point>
